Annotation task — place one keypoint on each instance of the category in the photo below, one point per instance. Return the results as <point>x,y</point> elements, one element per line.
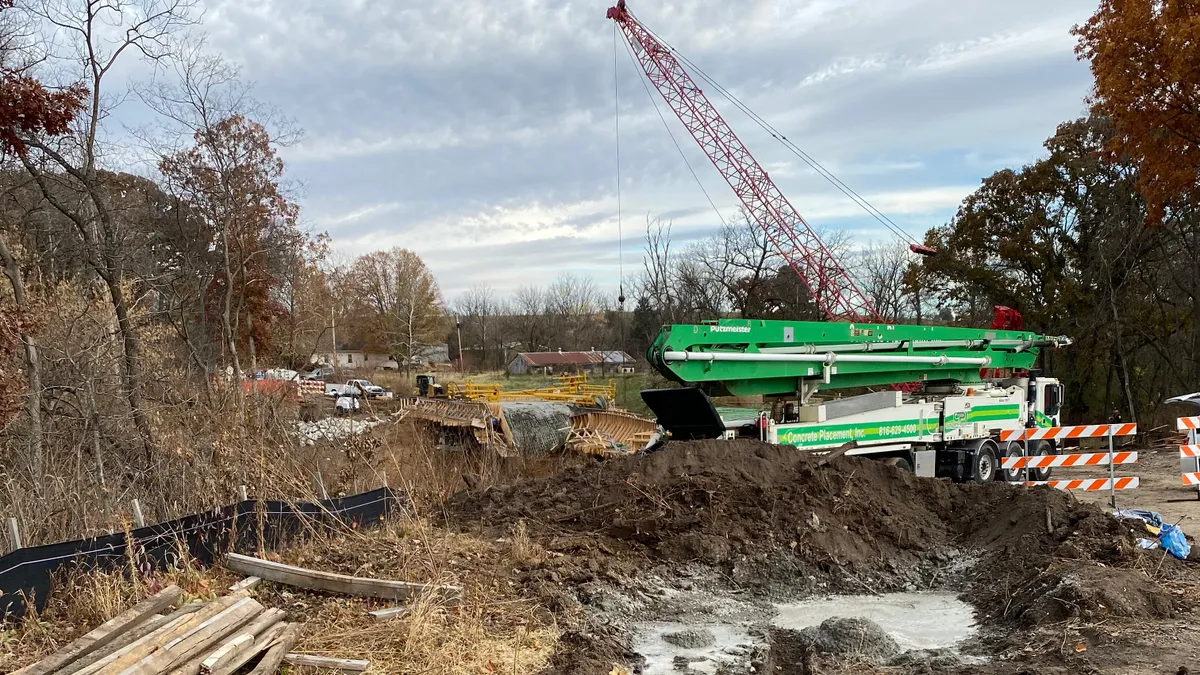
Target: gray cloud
<point>480,134</point>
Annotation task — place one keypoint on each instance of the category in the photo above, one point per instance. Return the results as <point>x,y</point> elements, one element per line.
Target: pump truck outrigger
<point>967,386</point>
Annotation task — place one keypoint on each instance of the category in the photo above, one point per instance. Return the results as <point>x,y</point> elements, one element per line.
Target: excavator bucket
<point>686,412</point>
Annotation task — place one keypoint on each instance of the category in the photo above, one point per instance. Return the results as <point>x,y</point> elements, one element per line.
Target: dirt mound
<point>855,637</point>
<point>765,513</point>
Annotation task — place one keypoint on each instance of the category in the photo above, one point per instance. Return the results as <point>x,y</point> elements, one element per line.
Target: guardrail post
<point>14,535</point>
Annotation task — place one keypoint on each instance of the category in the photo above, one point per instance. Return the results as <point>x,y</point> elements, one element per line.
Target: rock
<point>693,638</point>
<point>858,637</point>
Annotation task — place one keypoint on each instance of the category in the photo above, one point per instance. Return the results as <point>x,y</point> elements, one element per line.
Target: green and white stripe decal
<point>807,436</point>
<point>991,413</point>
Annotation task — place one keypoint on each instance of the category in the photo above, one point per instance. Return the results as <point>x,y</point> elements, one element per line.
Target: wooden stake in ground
<point>335,583</point>
<point>105,632</point>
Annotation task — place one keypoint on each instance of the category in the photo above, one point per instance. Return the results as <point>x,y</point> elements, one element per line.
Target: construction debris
<point>606,431</point>
<point>336,583</point>
<point>200,638</point>
<point>106,632</point>
<point>332,429</point>
<point>350,666</point>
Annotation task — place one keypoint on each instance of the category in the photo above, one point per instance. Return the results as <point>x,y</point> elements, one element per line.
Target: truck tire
<point>899,463</point>
<point>1040,449</point>
<point>984,466</point>
<point>1012,449</point>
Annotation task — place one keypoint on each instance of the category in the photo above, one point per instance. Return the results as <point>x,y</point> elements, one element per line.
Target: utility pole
<point>333,335</point>
<point>458,328</point>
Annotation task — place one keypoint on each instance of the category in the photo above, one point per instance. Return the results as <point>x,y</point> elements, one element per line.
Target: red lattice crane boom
<point>831,286</point>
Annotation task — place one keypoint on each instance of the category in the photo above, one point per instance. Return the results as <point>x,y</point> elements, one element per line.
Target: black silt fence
<point>246,527</point>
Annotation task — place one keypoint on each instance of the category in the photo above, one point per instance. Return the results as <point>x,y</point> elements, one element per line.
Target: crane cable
<point>620,227</point>
<point>678,147</point>
<point>846,190</point>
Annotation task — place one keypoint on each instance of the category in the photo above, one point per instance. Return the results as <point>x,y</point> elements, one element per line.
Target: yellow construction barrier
<point>573,389</point>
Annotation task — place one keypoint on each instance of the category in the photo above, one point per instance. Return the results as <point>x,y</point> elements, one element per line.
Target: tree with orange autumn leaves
<point>231,179</point>
<point>1145,57</point>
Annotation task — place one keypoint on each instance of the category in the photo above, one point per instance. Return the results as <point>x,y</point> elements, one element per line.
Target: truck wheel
<point>899,463</point>
<point>1013,449</point>
<point>1042,448</point>
<point>984,466</point>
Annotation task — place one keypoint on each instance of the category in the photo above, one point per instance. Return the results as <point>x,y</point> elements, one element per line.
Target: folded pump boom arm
<point>743,357</point>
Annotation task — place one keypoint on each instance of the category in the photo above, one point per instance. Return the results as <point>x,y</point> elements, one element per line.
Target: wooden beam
<point>147,645</point>
<point>275,653</point>
<point>336,583</point>
<point>261,643</point>
<point>183,649</point>
<point>246,584</point>
<point>105,632</point>
<point>381,615</point>
<point>350,666</point>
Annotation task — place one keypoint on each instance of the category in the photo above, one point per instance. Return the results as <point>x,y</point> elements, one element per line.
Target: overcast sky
<point>481,134</point>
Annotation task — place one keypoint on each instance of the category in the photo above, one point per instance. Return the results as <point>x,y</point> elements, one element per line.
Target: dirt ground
<point>1057,584</point>
<point>565,564</point>
<point>1161,488</point>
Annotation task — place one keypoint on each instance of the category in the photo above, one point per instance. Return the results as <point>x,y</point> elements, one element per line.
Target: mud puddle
<point>668,647</point>
<point>924,621</point>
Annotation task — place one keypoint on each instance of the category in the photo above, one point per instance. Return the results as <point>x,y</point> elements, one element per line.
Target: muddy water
<point>914,620</point>
<point>732,647</point>
<point>917,621</point>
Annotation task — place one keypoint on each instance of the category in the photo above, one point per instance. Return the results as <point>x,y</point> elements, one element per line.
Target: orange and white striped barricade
<point>1110,459</point>
<point>1189,454</point>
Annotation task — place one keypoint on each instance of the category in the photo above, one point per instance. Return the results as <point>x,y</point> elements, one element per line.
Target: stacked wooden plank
<point>219,637</point>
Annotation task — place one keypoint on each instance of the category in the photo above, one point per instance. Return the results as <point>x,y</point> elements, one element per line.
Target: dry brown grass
<point>493,630</point>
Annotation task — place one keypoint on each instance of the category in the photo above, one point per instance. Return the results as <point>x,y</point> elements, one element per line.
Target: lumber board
<point>350,666</point>
<point>381,615</point>
<point>105,633</point>
<point>184,648</point>
<point>120,644</point>
<point>240,641</point>
<point>126,652</point>
<point>335,583</point>
<point>275,653</point>
<point>127,638</point>
<point>154,642</point>
<point>261,643</point>
<point>246,584</point>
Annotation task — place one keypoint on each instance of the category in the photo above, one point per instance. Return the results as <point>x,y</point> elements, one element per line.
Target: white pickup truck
<point>362,388</point>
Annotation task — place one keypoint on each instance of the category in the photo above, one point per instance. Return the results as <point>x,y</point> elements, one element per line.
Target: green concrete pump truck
<point>942,395</point>
<point>962,387</point>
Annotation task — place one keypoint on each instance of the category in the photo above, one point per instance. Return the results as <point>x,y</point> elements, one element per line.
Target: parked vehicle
<point>362,388</point>
<point>317,373</point>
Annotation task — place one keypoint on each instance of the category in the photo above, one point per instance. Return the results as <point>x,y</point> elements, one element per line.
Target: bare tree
<point>93,35</point>
<point>881,274</point>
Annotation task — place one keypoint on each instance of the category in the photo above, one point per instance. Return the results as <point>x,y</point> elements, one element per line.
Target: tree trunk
<point>33,367</point>
<point>132,380</point>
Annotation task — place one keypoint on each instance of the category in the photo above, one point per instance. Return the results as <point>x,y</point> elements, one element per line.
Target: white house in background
<point>357,357</point>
